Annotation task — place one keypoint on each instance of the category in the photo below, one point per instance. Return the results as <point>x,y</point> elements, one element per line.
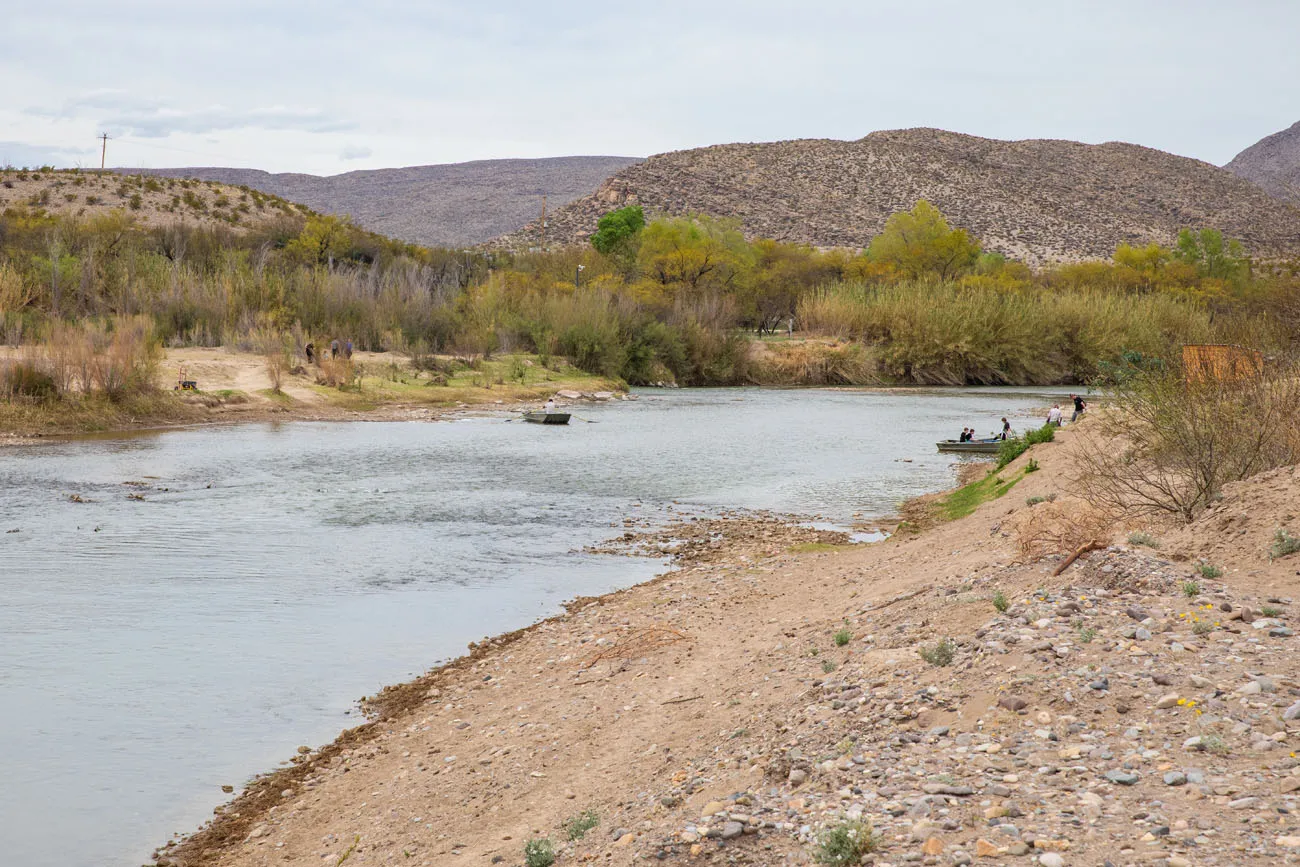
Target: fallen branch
<point>1083,549</point>
<point>637,643</point>
<point>681,700</point>
<point>903,598</point>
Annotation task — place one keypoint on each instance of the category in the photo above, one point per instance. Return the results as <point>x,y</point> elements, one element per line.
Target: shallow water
<point>152,650</point>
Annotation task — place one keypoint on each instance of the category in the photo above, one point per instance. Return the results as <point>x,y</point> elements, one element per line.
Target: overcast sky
<point>330,86</point>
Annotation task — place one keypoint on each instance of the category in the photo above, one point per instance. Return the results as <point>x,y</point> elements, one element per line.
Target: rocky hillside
<point>440,205</point>
<point>1038,199</point>
<point>1273,163</point>
<point>149,201</point>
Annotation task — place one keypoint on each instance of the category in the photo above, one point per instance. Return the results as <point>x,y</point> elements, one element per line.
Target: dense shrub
<point>24,379</point>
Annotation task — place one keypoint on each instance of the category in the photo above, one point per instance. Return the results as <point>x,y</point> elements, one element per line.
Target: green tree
<point>1211,255</point>
<point>920,243</point>
<point>617,232</point>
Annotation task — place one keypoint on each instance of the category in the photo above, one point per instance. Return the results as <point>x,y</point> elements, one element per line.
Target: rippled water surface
<point>152,650</point>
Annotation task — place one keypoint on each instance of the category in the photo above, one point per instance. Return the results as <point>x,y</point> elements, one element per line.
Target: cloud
<point>355,152</point>
<point>122,114</point>
<point>165,122</point>
<point>15,153</point>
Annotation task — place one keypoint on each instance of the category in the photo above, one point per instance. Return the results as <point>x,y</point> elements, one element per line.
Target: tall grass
<point>944,334</point>
<point>113,358</point>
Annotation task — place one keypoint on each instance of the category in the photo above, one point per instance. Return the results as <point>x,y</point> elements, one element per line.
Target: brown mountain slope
<point>440,205</point>
<point>1273,163</point>
<point>1038,199</point>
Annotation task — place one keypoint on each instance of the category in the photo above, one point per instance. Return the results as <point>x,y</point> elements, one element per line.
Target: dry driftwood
<point>1083,549</point>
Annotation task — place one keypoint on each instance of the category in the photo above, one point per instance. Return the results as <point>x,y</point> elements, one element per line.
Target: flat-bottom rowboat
<point>974,447</point>
<point>538,417</point>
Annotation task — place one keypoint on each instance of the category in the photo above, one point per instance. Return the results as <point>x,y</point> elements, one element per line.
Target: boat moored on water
<point>539,417</point>
<point>974,447</point>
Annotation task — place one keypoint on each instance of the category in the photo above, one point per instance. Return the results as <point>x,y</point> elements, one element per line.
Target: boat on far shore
<point>974,447</point>
<point>539,417</point>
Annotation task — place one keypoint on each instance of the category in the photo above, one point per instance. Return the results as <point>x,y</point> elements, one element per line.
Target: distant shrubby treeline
<point>673,298</point>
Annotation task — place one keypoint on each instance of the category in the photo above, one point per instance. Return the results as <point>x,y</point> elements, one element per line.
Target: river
<point>181,610</point>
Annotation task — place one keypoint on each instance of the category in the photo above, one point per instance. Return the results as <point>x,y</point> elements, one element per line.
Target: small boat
<point>974,447</point>
<point>539,417</point>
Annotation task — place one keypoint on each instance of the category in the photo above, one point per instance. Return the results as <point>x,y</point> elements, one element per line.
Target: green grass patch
<point>966,499</point>
<point>1284,544</point>
<point>845,844</point>
<point>274,396</point>
<point>576,827</point>
<point>1146,540</point>
<point>539,852</point>
<point>1018,445</point>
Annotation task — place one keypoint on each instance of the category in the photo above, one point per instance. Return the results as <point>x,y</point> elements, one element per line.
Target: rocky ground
<point>780,687</point>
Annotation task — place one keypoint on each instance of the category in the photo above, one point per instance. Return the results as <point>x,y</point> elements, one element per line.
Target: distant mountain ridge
<point>1273,163</point>
<point>452,205</point>
<point>1037,200</point>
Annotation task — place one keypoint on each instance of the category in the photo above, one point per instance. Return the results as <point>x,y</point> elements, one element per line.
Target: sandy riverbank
<point>730,711</point>
<point>235,387</point>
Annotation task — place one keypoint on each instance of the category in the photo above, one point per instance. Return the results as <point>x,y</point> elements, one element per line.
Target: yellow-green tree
<point>920,243</point>
<point>322,240</point>
<point>693,255</point>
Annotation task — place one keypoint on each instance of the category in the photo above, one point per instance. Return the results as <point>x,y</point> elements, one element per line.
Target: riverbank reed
<point>947,334</point>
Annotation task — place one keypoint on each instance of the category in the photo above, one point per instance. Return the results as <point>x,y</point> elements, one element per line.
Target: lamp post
<point>577,277</point>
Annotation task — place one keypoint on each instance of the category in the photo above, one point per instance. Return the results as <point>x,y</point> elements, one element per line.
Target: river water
<point>152,650</point>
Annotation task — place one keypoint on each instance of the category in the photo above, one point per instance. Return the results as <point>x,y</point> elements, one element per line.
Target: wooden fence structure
<point>1222,362</point>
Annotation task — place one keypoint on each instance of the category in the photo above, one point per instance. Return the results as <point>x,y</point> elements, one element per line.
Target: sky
<point>330,86</point>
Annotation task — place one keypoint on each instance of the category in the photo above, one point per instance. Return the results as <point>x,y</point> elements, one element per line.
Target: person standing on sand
<point>1054,415</point>
<point>1079,407</point>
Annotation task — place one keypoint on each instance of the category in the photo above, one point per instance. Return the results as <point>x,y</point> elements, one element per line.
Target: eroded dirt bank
<point>1129,710</point>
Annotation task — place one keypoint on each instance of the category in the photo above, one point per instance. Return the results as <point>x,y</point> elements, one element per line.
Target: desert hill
<point>1273,163</point>
<point>1037,199</point>
<point>149,201</point>
<point>451,205</point>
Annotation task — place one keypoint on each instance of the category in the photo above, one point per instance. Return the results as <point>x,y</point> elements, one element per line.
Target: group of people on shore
<point>1054,415</point>
<point>335,350</point>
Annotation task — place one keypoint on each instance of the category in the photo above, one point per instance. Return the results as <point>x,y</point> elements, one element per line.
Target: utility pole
<point>103,150</point>
<point>543,221</point>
